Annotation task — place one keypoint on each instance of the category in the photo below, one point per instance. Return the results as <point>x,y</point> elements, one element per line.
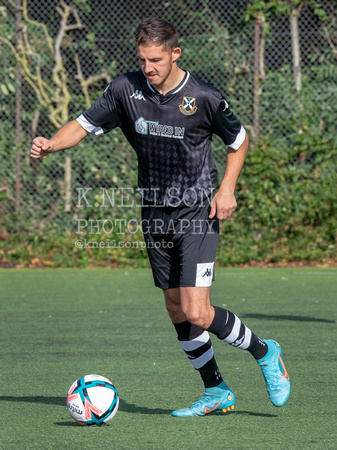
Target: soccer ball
<point>92,400</point>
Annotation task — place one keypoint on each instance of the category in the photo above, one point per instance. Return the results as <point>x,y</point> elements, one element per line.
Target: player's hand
<point>223,204</point>
<point>40,147</point>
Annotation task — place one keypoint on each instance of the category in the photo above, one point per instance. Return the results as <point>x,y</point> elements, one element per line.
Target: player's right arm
<point>100,118</point>
<point>67,136</point>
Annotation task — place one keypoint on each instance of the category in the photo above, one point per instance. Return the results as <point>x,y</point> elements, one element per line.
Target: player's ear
<point>176,53</point>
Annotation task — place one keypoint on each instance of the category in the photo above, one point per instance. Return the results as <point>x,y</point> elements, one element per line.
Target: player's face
<point>157,63</point>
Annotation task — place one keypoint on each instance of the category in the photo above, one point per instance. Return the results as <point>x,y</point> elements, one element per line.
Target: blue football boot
<point>214,399</point>
<point>275,374</point>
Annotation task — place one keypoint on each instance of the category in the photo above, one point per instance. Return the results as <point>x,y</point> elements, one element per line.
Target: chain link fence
<point>274,61</point>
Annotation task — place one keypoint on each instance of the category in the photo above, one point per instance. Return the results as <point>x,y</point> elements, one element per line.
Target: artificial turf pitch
<point>58,325</point>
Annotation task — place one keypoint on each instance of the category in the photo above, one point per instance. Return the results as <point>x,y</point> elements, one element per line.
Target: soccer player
<point>169,116</point>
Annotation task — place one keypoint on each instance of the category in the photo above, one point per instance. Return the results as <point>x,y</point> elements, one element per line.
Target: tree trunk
<point>67,182</point>
<point>295,44</point>
<point>258,70</point>
<point>18,115</point>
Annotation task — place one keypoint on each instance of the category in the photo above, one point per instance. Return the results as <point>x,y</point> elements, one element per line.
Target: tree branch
<point>37,24</point>
<point>329,40</point>
<point>85,83</point>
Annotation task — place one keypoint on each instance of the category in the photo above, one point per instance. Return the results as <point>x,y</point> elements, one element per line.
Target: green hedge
<point>286,211</point>
<point>286,192</point>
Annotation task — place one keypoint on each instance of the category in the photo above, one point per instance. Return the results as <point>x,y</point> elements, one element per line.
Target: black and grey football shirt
<point>170,133</point>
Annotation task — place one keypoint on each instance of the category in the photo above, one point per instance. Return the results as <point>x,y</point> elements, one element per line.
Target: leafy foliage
<point>286,191</point>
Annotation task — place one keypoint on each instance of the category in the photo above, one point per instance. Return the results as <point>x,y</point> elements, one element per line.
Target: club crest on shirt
<point>188,106</point>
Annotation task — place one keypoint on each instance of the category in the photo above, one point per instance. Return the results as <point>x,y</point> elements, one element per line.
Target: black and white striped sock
<point>229,328</point>
<point>198,348</point>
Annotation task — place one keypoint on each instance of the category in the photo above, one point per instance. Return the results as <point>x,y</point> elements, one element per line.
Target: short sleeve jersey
<point>170,133</point>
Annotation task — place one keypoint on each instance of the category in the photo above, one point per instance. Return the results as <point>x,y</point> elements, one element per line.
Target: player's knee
<point>199,315</point>
<point>195,316</point>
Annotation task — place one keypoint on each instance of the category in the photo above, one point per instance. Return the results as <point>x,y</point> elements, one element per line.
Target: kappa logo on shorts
<point>188,106</point>
<point>208,273</point>
<point>204,275</point>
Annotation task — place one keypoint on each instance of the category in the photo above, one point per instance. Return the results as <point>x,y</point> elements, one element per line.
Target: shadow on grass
<point>123,406</point>
<point>141,410</point>
<point>245,413</point>
<point>135,409</point>
<point>61,401</point>
<point>286,317</point>
<point>70,423</point>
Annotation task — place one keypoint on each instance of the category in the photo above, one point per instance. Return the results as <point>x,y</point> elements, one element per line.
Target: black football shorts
<point>181,243</point>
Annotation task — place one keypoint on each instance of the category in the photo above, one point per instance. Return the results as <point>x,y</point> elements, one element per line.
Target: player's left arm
<point>224,201</point>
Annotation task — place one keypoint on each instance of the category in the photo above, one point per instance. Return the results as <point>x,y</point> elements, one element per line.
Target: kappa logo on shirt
<point>188,106</point>
<point>138,95</point>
